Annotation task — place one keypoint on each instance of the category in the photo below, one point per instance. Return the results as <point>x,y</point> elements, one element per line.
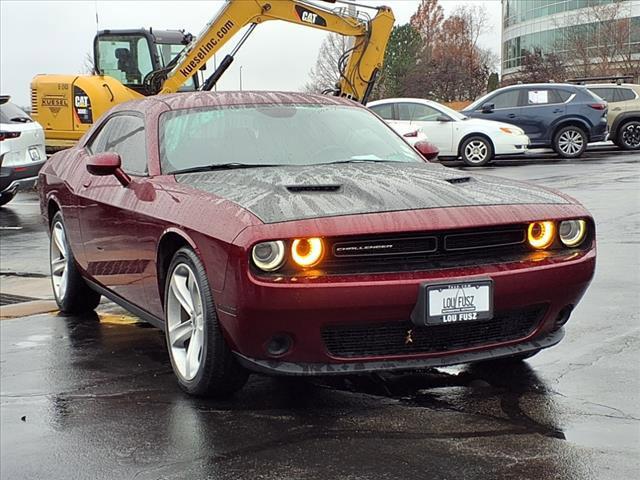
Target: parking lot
<point>95,397</point>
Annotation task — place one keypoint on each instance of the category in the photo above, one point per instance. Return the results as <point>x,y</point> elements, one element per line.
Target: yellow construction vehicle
<point>131,64</point>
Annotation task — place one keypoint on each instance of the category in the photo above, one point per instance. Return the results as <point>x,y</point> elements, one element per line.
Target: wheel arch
<point>476,134</point>
<point>53,207</point>
<point>571,122</point>
<point>170,242</point>
<point>621,120</point>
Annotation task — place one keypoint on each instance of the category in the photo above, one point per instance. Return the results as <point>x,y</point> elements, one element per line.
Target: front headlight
<point>572,232</point>
<point>512,130</point>
<point>307,252</point>
<point>541,235</point>
<point>268,256</point>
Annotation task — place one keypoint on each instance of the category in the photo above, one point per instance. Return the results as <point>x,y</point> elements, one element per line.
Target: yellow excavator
<point>131,64</point>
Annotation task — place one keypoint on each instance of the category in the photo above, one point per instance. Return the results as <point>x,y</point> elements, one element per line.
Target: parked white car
<point>22,150</point>
<point>474,140</point>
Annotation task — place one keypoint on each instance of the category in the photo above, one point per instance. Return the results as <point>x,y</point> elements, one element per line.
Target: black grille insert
<point>393,338</point>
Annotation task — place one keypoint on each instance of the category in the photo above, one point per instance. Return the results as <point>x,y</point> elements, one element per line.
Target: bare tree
<point>428,21</point>
<point>600,42</point>
<point>326,73</point>
<point>88,67</point>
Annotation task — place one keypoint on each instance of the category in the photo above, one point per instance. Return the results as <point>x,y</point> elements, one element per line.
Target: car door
<point>426,117</point>
<point>506,107</point>
<point>116,249</point>
<point>542,109</point>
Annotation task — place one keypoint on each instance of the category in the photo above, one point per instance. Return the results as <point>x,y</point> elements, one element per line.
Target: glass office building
<point>550,25</point>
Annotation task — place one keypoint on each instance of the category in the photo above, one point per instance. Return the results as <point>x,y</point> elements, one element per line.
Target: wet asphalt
<point>94,397</point>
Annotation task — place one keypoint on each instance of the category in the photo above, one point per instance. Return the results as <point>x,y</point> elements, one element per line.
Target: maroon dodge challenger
<point>298,234</point>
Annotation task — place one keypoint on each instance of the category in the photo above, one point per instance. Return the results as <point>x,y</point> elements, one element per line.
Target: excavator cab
<point>130,55</point>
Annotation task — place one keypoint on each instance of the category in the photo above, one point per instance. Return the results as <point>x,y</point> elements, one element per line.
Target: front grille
<point>388,339</point>
<point>424,252</point>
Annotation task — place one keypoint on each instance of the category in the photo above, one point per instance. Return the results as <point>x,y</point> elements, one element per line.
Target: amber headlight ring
<point>307,252</point>
<point>542,234</point>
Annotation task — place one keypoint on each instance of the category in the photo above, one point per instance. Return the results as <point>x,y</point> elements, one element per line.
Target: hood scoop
<point>313,188</point>
<point>456,181</point>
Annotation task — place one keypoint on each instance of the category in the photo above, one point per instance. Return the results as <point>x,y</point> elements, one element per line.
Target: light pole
<point>240,77</point>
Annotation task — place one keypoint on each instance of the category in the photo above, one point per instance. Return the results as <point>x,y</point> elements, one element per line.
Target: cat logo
<point>408,340</point>
<point>307,16</point>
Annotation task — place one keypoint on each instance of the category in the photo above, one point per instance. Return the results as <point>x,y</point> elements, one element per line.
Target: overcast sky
<point>54,37</point>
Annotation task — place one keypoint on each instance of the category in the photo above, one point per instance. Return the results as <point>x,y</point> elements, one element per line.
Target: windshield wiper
<point>222,166</point>
<point>358,160</point>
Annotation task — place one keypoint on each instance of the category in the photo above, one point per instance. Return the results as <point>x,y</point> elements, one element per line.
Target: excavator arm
<point>359,71</point>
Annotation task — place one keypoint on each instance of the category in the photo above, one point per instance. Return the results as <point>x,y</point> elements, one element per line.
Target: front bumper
<point>349,368</point>
<point>511,144</point>
<point>303,309</point>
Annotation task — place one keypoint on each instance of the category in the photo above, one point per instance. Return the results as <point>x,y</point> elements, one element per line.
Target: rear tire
<point>71,292</point>
<point>476,151</point>
<point>629,135</point>
<point>6,197</point>
<point>201,359</point>
<point>570,142</point>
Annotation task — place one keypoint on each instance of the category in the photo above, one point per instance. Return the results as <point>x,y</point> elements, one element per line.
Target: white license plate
<point>34,153</point>
<point>460,302</point>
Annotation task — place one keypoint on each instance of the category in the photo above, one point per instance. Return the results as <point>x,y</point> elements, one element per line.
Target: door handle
<point>87,184</point>
<point>512,115</point>
<point>557,110</point>
<point>617,109</point>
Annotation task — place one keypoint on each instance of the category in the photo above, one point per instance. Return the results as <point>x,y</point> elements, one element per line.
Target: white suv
<point>22,150</point>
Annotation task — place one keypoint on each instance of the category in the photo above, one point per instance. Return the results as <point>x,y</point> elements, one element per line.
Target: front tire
<point>200,356</point>
<point>570,142</point>
<point>476,151</point>
<point>629,135</point>
<point>71,292</point>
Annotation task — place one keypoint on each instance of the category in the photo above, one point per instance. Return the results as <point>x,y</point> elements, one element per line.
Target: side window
<point>607,94</point>
<point>559,96</point>
<point>417,112</point>
<point>626,94</point>
<point>124,134</point>
<point>508,99</point>
<point>385,111</point>
<point>539,97</point>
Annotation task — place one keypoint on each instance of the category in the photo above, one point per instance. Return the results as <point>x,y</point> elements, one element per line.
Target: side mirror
<point>443,118</point>
<point>488,108</point>
<point>108,163</point>
<point>427,149</point>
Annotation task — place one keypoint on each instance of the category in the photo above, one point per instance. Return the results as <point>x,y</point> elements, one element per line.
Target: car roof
<point>178,101</point>
<point>403,100</point>
<point>613,85</point>
<point>542,85</point>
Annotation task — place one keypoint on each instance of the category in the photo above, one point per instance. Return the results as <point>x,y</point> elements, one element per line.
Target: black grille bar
<point>402,338</point>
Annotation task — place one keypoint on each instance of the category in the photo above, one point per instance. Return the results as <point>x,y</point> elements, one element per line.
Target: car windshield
<point>451,112</point>
<point>276,135</point>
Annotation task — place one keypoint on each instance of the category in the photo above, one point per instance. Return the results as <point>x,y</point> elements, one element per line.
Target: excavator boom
<point>365,59</point>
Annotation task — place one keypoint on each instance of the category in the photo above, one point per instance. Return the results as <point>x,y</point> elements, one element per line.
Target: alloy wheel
<point>476,151</point>
<point>570,142</point>
<point>631,135</point>
<point>185,321</point>
<point>58,258</point>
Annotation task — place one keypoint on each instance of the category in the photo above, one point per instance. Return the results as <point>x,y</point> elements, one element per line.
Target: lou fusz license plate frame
<point>453,302</point>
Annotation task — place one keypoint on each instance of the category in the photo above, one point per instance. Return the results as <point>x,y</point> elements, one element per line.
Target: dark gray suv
<point>561,116</point>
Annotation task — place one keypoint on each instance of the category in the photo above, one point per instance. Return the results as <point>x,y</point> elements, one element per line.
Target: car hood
<point>472,122</point>
<point>281,194</point>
